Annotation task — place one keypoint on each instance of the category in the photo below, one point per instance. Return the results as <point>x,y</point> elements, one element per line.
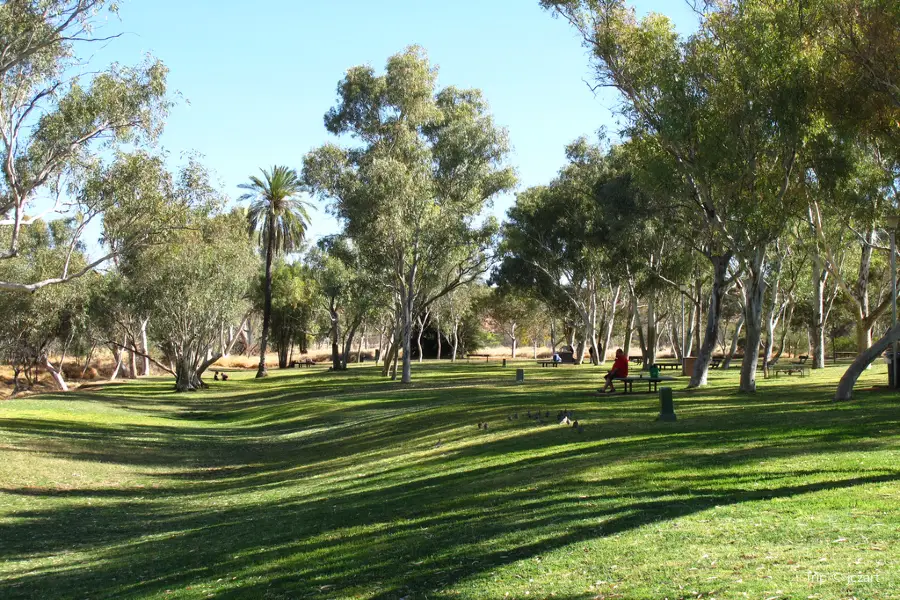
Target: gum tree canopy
<point>411,194</point>
<point>53,123</point>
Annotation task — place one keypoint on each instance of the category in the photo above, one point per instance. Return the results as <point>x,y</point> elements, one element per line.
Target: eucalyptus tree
<point>192,286</point>
<point>57,122</point>
<point>551,246</point>
<point>350,292</point>
<point>511,314</point>
<point>728,105</point>
<point>277,215</point>
<point>410,194</point>
<point>850,193</point>
<point>37,325</point>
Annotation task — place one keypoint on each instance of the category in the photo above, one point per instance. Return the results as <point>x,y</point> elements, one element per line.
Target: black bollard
<point>666,405</point>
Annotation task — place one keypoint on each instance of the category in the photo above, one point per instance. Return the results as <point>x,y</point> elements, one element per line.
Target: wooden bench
<point>652,382</point>
<point>548,363</point>
<point>791,369</point>
<point>714,363</point>
<point>303,363</point>
<point>636,359</point>
<point>486,357</point>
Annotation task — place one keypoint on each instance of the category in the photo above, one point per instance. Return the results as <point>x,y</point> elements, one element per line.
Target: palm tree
<point>277,214</point>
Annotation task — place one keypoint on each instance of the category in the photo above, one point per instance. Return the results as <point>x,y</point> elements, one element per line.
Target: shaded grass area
<point>317,485</point>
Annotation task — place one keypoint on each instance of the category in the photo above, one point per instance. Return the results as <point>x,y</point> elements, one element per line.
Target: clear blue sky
<point>257,78</point>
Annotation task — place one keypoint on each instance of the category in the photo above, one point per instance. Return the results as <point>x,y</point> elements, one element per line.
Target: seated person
<point>620,369</point>
<point>557,358</point>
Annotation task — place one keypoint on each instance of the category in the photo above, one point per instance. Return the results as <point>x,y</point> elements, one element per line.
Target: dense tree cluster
<point>740,211</point>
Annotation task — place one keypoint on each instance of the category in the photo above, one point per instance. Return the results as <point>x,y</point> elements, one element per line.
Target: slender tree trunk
<point>359,349</point>
<point>754,296</point>
<point>534,343</point>
<point>55,373</point>
<point>421,323</point>
<point>437,329</point>
<point>697,316</point>
<point>714,316</point>
<point>408,301</point>
<point>335,335</point>
<point>145,348</point>
<point>455,340</point>
<point>610,324</point>
<point>515,340</point>
<point>267,306</point>
<point>119,355</point>
<point>726,364</point>
<point>785,328</point>
<point>348,344</point>
<point>652,334</point>
<point>817,330</point>
<point>629,327</point>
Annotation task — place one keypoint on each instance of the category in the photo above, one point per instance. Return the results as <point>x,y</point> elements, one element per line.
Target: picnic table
<point>636,359</point>
<point>791,369</point>
<point>668,365</point>
<point>652,382</point>
<point>303,363</point>
<point>486,357</point>
<point>714,363</point>
<point>547,363</point>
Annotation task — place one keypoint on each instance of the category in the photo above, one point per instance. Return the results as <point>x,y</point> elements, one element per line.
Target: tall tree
<point>410,195</point>
<point>278,216</point>
<point>728,106</point>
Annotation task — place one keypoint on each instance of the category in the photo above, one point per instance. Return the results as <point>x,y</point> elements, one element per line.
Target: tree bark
<point>145,348</point>
<point>437,329</point>
<point>55,373</point>
<point>817,330</point>
<point>862,362</point>
<point>455,340</point>
<point>754,296</point>
<point>726,364</point>
<point>267,302</point>
<point>714,316</point>
<point>629,328</point>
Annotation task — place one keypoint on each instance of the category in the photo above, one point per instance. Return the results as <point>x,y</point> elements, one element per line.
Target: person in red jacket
<point>620,369</point>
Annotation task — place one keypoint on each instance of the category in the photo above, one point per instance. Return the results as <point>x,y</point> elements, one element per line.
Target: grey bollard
<point>520,375</point>
<point>666,405</point>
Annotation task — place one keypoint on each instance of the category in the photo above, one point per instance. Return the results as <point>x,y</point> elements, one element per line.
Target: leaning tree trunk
<point>267,304</point>
<point>754,294</point>
<point>862,362</point>
<point>55,373</point>
<point>713,318</point>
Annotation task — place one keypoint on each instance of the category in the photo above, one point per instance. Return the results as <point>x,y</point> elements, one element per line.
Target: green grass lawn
<point>317,485</point>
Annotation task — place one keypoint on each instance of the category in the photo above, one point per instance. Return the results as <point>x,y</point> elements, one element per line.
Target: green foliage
<point>34,324</point>
<point>428,162</point>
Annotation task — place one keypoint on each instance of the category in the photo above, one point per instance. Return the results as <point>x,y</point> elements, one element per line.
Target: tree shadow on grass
<point>398,510</point>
